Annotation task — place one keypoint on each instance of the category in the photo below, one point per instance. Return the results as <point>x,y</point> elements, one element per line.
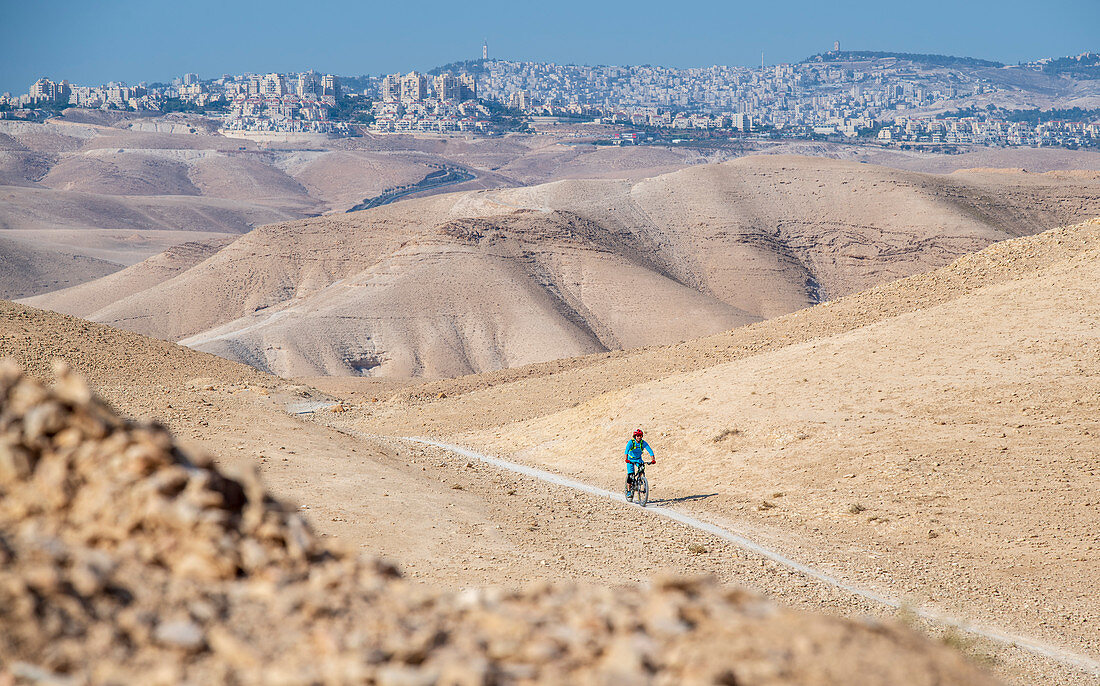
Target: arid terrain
<point>385,446</point>
<point>93,192</point>
<point>929,440</point>
<point>128,559</point>
<point>476,281</point>
<point>90,193</point>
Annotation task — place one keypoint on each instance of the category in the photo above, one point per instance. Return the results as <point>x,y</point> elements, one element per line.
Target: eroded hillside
<point>478,281</point>
<point>120,187</point>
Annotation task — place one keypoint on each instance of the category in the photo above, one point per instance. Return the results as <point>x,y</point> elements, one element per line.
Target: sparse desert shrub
<point>908,616</point>
<point>967,645</point>
<point>855,508</point>
<point>724,434</point>
<point>765,505</point>
<point>697,549</point>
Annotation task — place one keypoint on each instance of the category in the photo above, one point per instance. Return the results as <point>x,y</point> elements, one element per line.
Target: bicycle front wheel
<point>641,491</point>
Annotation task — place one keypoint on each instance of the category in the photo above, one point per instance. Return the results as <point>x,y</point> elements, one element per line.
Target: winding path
<point>452,176</point>
<point>1061,655</point>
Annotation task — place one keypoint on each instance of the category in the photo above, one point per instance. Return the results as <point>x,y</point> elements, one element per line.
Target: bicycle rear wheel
<point>641,490</point>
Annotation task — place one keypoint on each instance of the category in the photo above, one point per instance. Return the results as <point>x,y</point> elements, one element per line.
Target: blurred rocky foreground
<point>125,560</point>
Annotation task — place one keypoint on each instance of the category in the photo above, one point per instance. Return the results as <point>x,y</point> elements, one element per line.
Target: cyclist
<point>634,451</point>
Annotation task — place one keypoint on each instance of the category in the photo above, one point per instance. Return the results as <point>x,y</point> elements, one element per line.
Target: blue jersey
<point>634,450</point>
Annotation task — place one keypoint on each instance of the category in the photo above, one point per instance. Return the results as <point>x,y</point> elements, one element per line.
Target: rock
<point>184,634</point>
<point>405,676</point>
<point>15,462</point>
<point>42,420</point>
<point>69,386</point>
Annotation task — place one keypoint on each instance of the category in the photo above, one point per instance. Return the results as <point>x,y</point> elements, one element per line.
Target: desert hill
<point>933,438</point>
<point>127,557</point>
<point>26,269</point>
<point>135,278</point>
<point>540,389</point>
<point>390,498</point>
<point>78,183</point>
<point>477,281</point>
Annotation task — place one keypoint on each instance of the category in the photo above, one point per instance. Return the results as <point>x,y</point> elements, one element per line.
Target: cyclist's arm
<point>648,449</point>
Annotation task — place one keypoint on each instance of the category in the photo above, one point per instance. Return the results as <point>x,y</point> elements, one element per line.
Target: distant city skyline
<point>128,41</point>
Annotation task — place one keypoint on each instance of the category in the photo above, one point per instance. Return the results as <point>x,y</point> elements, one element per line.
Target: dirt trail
<point>933,615</point>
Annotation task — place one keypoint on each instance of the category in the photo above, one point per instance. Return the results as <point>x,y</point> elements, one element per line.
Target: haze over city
<point>508,343</point>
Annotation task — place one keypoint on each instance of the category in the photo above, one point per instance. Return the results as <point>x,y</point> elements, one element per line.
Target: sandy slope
<point>562,161</point>
<point>120,174</point>
<point>1035,160</point>
<point>27,269</point>
<point>933,438</point>
<point>46,209</point>
<point>120,284</point>
<point>343,179</point>
<point>121,246</point>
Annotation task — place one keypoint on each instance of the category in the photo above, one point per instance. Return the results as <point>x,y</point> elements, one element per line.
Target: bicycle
<point>637,487</point>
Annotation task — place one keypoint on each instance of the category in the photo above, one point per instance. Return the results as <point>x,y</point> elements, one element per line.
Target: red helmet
<point>638,433</point>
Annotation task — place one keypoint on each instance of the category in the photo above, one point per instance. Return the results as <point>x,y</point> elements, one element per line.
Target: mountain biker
<point>634,451</point>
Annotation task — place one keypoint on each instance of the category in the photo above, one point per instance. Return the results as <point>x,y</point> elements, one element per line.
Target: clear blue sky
<point>95,41</point>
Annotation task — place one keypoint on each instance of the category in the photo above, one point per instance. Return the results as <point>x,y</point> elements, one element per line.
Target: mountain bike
<point>637,487</point>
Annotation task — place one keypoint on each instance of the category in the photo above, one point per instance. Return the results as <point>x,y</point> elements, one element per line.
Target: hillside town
<point>893,98</point>
<point>291,103</point>
<point>889,99</point>
<point>419,102</point>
